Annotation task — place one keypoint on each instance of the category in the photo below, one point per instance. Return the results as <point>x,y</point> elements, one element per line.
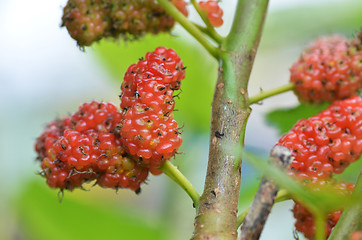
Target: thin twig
<point>264,199</point>
<point>188,26</point>
<point>217,38</point>
<point>320,225</point>
<point>172,172</point>
<point>265,94</point>
<point>209,27</point>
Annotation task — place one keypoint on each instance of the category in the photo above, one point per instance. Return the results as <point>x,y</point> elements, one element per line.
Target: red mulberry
<point>214,12</point>
<point>148,130</point>
<point>86,146</point>
<point>329,69</point>
<point>328,142</point>
<point>305,220</point>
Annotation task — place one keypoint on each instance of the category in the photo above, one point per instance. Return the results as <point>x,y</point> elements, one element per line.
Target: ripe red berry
<point>100,116</point>
<point>329,68</point>
<point>87,146</point>
<point>327,142</point>
<point>50,135</point>
<point>181,6</point>
<point>305,220</point>
<point>214,12</point>
<point>356,235</point>
<point>149,132</point>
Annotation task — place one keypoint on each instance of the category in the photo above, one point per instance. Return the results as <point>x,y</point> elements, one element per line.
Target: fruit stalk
<point>217,213</point>
<point>320,226</point>
<point>188,26</point>
<point>209,27</point>
<point>172,172</point>
<point>351,218</point>
<point>266,94</point>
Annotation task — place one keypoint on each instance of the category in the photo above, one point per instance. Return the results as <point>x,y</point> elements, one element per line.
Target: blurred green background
<point>43,75</point>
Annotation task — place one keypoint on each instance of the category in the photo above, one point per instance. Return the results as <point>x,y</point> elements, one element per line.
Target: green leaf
<point>197,88</point>
<point>43,218</point>
<point>284,119</point>
<point>324,200</point>
<point>350,174</point>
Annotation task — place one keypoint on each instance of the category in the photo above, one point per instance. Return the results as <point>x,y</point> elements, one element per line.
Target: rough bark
<point>217,212</point>
<point>264,199</point>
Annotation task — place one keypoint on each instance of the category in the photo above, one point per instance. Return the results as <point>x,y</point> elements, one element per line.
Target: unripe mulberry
<point>329,69</point>
<point>149,132</point>
<point>327,142</point>
<point>137,17</point>
<point>86,20</point>
<point>305,220</point>
<point>214,12</point>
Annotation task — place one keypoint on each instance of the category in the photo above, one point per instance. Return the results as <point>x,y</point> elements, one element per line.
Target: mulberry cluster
<point>117,148</point>
<point>88,21</point>
<point>149,132</point>
<point>329,69</point>
<point>305,220</point>
<point>327,142</point>
<point>321,146</point>
<point>214,12</point>
<point>86,146</point>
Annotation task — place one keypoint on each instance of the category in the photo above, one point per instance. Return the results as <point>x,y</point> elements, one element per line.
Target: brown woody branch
<point>264,199</point>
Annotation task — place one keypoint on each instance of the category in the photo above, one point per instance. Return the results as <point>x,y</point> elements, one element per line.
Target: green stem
<point>265,94</point>
<point>320,226</point>
<point>217,212</point>
<point>351,218</point>
<point>217,38</point>
<point>283,195</point>
<point>241,217</point>
<point>172,172</point>
<point>191,28</point>
<point>210,28</point>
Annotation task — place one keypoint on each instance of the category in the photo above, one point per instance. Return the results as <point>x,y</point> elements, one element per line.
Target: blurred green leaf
<point>297,25</point>
<point>323,200</point>
<point>284,119</point>
<point>350,174</point>
<point>250,178</point>
<point>43,217</point>
<point>247,192</point>
<point>197,89</point>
